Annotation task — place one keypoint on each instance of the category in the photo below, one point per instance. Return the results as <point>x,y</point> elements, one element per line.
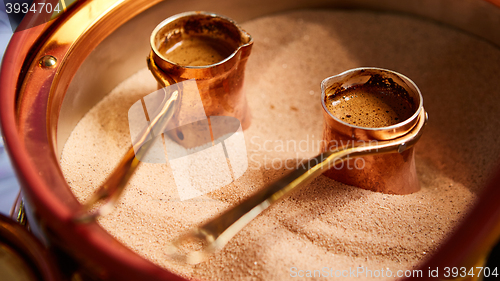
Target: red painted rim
<point>468,238</point>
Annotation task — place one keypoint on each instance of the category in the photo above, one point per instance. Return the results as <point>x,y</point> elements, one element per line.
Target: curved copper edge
<point>474,236</point>
<point>48,205</point>
<point>18,238</point>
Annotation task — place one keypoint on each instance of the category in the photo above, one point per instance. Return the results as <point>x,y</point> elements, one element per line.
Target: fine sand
<point>326,223</point>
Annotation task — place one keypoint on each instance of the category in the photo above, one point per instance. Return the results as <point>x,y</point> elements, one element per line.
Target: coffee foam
<point>377,103</point>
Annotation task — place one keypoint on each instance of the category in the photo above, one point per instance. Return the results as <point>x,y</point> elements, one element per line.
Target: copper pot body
<point>392,173</point>
<point>220,85</point>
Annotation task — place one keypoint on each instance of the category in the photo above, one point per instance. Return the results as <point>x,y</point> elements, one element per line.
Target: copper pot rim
<point>89,242</point>
<point>173,18</point>
<point>392,131</point>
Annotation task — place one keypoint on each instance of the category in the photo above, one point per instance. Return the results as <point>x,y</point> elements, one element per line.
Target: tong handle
<point>111,190</point>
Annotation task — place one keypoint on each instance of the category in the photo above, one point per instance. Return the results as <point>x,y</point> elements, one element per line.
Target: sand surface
<point>325,224</point>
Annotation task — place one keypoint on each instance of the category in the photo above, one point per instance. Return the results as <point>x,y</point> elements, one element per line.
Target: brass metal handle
<point>215,233</point>
<point>163,79</point>
<point>110,191</point>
